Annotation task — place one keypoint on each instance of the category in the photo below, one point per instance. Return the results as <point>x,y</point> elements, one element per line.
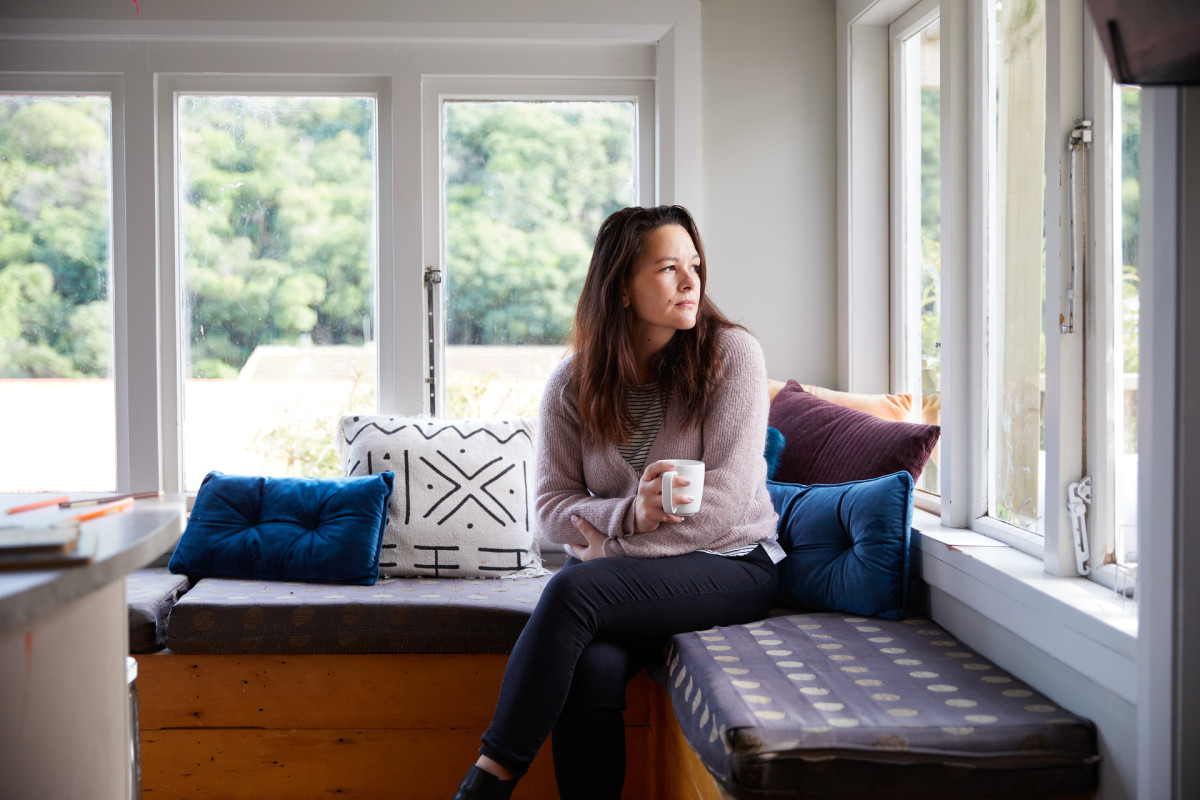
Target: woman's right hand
<point>648,511</point>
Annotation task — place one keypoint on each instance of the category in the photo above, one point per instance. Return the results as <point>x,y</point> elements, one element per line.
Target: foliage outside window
<point>277,205</point>
<point>527,185</point>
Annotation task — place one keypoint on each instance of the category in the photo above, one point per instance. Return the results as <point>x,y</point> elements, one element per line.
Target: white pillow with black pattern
<point>462,503</point>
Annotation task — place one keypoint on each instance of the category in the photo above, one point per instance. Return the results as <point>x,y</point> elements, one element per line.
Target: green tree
<point>55,319</point>
<point>277,206</point>
<point>527,186</point>
<point>278,217</point>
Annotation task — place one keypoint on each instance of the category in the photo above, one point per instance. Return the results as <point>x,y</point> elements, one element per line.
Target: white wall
<point>768,177</point>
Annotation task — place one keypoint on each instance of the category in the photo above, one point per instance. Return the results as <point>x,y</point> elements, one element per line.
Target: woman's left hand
<point>595,538</point>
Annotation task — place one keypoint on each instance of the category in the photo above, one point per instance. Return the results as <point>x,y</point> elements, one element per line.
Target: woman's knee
<point>570,590</point>
<point>601,675</point>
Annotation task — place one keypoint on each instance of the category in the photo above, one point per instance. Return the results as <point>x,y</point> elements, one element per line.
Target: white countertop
<point>126,541</point>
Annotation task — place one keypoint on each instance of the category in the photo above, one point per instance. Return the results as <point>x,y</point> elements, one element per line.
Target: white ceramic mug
<point>694,472</point>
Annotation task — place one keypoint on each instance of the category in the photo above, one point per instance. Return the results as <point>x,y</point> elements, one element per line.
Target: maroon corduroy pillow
<point>827,443</point>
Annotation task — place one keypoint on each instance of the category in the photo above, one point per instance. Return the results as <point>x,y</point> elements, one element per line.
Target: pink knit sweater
<point>578,475</point>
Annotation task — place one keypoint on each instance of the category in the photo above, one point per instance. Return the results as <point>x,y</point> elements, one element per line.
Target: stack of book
<point>50,536</point>
<point>32,546</point>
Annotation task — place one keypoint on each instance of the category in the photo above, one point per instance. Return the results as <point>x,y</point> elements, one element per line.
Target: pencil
<point>65,502</point>
<point>120,505</point>
<point>39,504</point>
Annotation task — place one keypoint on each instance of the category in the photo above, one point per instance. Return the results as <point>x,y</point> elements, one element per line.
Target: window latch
<point>1078,496</point>
<point>433,277</point>
<point>1079,140</point>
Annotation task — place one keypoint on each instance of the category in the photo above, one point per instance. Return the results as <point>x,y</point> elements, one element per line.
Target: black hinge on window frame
<point>433,276</point>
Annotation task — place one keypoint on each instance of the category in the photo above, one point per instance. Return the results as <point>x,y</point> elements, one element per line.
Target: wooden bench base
<point>263,727</point>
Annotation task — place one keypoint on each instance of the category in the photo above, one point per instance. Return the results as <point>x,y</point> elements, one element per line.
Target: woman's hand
<point>648,511</point>
<point>595,539</point>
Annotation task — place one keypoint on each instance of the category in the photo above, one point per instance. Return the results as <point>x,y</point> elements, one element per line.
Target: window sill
<point>1074,620</point>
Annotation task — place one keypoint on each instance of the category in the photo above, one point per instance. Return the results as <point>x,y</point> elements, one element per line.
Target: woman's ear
<point>624,297</point>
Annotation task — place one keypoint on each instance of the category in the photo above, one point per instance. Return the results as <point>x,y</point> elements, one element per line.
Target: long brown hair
<point>605,368</point>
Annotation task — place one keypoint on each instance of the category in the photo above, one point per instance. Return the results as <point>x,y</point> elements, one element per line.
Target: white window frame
<point>1110,659</point>
<point>174,325</point>
<point>436,90</point>
<point>905,188</point>
<point>997,597</point>
<point>657,42</point>
<point>127,342</point>
<point>968,173</point>
<point>1065,439</point>
<point>1105,399</point>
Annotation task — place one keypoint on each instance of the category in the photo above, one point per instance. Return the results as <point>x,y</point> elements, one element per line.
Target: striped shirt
<point>645,407</point>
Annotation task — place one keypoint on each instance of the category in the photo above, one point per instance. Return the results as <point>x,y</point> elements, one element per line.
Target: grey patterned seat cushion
<point>149,595</point>
<point>396,615</point>
<point>828,705</point>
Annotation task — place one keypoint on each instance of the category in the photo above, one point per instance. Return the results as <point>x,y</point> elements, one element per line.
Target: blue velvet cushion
<point>847,545</point>
<point>296,529</point>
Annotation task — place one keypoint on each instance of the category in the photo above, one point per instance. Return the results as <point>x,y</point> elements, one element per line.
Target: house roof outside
<point>345,362</point>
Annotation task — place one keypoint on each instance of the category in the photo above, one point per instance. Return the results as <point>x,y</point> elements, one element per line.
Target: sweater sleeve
<point>734,433</point>
<point>561,488</point>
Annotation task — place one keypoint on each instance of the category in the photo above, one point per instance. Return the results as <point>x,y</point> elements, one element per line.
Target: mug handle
<point>668,487</point>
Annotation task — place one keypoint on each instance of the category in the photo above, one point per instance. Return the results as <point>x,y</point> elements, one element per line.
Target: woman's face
<point>663,290</point>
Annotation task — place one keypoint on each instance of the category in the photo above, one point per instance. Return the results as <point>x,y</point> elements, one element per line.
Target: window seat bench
<point>291,690</point>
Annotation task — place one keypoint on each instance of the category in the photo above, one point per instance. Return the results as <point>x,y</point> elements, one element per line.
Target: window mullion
<point>1064,400</point>
<point>170,351</point>
<point>968,355</point>
<point>962,255</point>
<point>1102,299</point>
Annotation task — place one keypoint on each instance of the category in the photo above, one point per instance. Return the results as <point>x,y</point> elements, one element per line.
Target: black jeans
<point>594,628</point>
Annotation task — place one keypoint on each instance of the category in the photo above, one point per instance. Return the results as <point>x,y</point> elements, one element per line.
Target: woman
<point>656,373</point>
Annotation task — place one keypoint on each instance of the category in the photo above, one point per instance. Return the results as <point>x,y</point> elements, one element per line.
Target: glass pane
<point>1016,345</point>
<point>527,185</point>
<point>57,401</point>
<point>1128,118</point>
<point>277,203</point>
<point>922,256</point>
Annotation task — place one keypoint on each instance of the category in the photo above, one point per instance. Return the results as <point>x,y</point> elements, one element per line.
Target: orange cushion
<point>893,407</point>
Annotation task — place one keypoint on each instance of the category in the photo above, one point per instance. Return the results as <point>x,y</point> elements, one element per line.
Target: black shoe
<point>481,785</point>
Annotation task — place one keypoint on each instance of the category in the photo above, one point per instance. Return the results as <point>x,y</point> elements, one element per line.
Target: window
<point>57,396</point>
<point>277,212</point>
<point>1115,540</point>
<point>210,252</point>
<point>1039,343</point>
<point>526,186</point>
<point>916,125</point>
<point>1016,269</point>
<point>1127,137</point>
<point>523,174</point>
